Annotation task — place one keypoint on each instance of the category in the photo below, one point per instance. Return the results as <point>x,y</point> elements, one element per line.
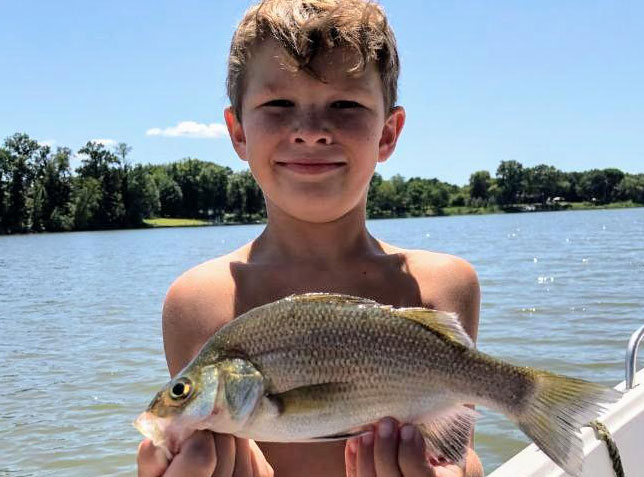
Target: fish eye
<point>181,389</point>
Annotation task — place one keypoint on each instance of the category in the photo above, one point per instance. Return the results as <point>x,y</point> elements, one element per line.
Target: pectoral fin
<point>243,387</point>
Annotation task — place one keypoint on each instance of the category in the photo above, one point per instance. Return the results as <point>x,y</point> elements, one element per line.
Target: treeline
<point>513,188</point>
<point>40,192</point>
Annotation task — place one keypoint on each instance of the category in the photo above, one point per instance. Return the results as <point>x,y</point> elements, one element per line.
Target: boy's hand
<point>393,452</point>
<point>205,454</point>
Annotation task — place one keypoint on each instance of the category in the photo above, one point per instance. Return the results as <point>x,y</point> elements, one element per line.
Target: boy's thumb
<point>151,460</point>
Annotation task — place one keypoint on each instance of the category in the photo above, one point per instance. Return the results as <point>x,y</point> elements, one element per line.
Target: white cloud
<point>191,129</point>
<point>105,142</point>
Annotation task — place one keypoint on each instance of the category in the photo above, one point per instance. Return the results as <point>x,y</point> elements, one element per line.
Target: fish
<point>319,367</point>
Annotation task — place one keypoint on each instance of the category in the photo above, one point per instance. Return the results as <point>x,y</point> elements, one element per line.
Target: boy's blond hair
<point>305,28</point>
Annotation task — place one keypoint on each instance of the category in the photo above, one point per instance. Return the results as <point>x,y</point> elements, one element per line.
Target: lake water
<point>80,338</point>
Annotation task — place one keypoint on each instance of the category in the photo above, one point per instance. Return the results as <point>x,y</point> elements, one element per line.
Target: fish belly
<point>324,411</point>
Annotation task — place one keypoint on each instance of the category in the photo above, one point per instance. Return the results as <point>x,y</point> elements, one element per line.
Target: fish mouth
<point>155,428</point>
<point>169,433</point>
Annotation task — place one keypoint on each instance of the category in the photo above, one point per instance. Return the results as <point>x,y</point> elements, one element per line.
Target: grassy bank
<point>613,205</point>
<point>175,222</point>
<point>447,211</point>
<point>564,206</point>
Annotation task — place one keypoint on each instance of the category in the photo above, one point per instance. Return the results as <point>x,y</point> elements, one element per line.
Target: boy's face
<point>313,145</point>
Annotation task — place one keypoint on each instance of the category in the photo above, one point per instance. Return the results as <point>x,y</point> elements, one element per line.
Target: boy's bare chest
<point>389,285</point>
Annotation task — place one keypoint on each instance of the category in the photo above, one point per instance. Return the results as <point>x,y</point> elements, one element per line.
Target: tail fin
<point>557,411</point>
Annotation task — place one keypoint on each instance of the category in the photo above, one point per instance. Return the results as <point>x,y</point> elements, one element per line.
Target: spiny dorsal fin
<point>442,322</point>
<point>332,298</point>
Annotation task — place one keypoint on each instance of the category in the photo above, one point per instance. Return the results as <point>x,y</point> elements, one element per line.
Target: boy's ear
<point>236,132</point>
<point>390,133</point>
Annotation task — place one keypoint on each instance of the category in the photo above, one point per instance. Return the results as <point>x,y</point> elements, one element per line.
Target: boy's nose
<point>311,129</point>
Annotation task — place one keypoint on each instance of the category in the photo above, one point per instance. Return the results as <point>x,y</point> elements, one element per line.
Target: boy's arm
<point>192,312</point>
<point>453,286</point>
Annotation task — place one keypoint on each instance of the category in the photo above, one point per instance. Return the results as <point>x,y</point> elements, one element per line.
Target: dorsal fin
<point>335,298</point>
<point>442,322</point>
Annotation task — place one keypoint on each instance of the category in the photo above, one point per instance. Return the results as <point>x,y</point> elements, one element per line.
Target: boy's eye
<point>343,104</point>
<point>279,103</point>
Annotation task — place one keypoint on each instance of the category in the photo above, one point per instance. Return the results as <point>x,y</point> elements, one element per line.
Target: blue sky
<point>555,82</point>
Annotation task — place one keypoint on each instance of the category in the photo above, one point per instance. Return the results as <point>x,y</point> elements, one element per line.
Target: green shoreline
<point>446,212</point>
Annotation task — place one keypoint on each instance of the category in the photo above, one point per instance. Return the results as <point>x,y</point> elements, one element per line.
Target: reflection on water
<point>80,338</point>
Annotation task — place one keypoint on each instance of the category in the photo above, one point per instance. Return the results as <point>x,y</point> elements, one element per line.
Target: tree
<point>244,197</point>
<point>373,201</point>
<point>419,196</point>
<point>213,185</point>
<point>104,166</point>
<point>601,185</point>
<point>509,179</point>
<point>5,161</point>
<point>96,161</point>
<point>170,195</point>
<point>439,196</point>
<point>21,161</point>
<point>397,201</point>
<point>122,150</point>
<point>571,186</point>
<point>480,183</point>
<point>53,186</point>
<point>186,174</point>
<point>141,195</point>
<point>631,188</point>
<point>386,199</point>
<point>87,200</point>
<point>542,182</point>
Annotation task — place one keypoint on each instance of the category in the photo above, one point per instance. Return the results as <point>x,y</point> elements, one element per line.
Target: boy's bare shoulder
<point>445,282</point>
<point>451,275</point>
<point>197,304</point>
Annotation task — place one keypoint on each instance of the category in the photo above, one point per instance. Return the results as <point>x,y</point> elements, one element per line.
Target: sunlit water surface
<point>80,339</point>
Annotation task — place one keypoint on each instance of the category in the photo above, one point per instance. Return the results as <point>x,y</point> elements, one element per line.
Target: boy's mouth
<point>311,167</point>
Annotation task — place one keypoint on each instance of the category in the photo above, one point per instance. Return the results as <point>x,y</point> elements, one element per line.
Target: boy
<point>313,88</point>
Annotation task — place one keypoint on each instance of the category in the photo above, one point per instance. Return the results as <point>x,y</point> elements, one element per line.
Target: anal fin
<point>447,434</point>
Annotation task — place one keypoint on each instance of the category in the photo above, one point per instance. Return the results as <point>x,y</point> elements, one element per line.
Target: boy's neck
<point>287,239</point>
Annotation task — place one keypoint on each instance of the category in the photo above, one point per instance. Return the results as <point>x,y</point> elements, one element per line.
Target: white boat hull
<point>625,421</point>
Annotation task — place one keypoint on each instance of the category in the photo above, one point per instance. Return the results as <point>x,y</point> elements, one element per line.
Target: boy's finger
<point>225,451</point>
<point>351,456</point>
<point>411,454</point>
<point>386,448</point>
<point>243,466</point>
<point>196,458</point>
<point>150,460</point>
<point>365,462</point>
